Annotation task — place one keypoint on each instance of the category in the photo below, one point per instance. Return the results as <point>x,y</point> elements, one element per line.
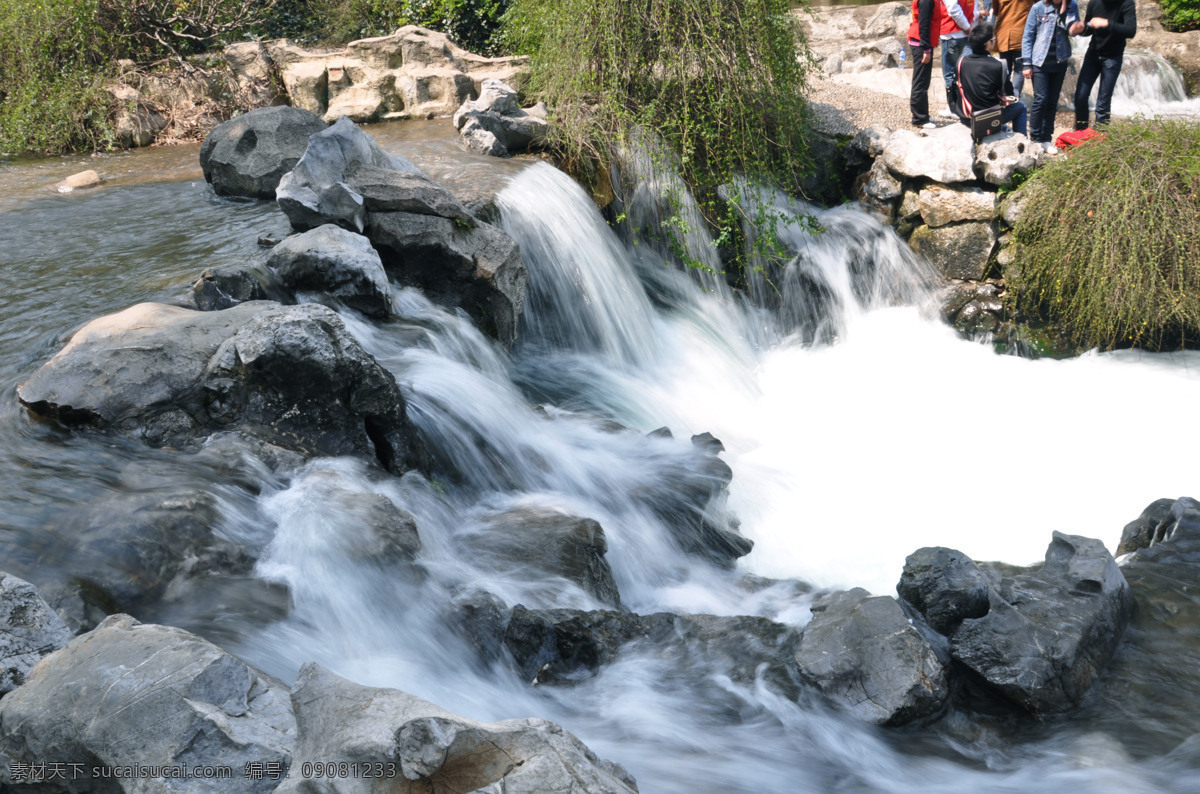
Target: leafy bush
<point>183,27</point>
<point>718,81</point>
<point>1181,15</point>
<point>51,53</point>
<point>1112,240</point>
<point>473,24</point>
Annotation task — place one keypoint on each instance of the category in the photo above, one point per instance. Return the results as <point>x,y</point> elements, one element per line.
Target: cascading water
<point>1150,85</point>
<point>846,457</point>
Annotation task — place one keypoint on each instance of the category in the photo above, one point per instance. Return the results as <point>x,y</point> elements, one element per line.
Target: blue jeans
<point>952,50</point>
<point>1015,114</point>
<point>1107,69</point>
<point>1047,85</point>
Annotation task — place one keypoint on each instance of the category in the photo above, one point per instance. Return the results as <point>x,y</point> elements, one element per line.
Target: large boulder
<point>944,205</point>
<point>496,124</point>
<point>466,264</point>
<point>1157,523</point>
<point>315,193</point>
<point>412,73</point>
<point>292,375</point>
<point>1049,632</point>
<point>999,159</point>
<point>248,155</point>
<point>133,695</point>
<point>960,250</point>
<point>419,747</point>
<point>863,654</point>
<point>329,260</point>
<point>545,542</point>
<point>29,630</point>
<point>944,585</point>
<point>945,155</point>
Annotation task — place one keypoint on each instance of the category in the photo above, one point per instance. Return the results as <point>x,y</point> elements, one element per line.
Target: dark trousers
<point>1015,114</point>
<point>1014,80</point>
<point>918,100</point>
<point>1107,69</point>
<point>1047,85</point>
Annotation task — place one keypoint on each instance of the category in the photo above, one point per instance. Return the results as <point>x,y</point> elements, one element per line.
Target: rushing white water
<point>847,456</point>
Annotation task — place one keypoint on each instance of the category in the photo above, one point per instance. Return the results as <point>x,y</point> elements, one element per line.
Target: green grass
<point>1112,238</point>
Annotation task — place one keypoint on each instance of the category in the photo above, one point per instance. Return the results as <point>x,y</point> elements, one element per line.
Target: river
<point>848,454</point>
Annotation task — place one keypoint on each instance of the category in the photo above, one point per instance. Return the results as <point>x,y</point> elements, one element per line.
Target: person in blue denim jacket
<point>1045,52</point>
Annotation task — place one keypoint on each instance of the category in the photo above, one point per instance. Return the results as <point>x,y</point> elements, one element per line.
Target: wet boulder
<point>863,654</point>
<point>555,646</point>
<point>291,375</point>
<point>460,263</point>
<point>690,498</point>
<point>315,193</point>
<point>248,155</point>
<point>945,586</point>
<point>1157,523</point>
<point>29,630</point>
<point>329,260</point>
<point>496,124</point>
<point>545,542</point>
<point>959,250</point>
<point>1049,632</point>
<point>421,747</point>
<point>226,287</point>
<point>131,694</point>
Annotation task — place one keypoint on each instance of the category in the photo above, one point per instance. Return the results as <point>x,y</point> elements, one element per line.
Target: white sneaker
<point>929,125</point>
<point>1049,148</point>
<point>946,113</point>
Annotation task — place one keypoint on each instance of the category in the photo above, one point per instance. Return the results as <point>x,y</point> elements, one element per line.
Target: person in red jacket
<point>926,22</point>
<point>956,20</point>
<point>1110,23</point>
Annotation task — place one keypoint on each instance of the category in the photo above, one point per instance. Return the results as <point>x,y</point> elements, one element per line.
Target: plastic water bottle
<point>900,62</point>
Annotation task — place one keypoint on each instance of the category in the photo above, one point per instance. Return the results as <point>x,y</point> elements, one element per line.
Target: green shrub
<point>472,24</point>
<point>1181,15</point>
<point>1111,237</point>
<point>51,56</point>
<point>718,81</point>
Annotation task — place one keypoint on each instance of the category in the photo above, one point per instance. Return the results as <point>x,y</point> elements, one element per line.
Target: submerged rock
<point>420,747</point>
<point>1049,632</point>
<point>248,155</point>
<point>128,694</point>
<point>291,375</point>
<point>29,630</point>
<point>863,654</point>
<point>545,541</point>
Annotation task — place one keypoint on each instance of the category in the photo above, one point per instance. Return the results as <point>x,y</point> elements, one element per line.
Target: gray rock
<point>945,155</point>
<point>555,646</point>
<point>910,205</point>
<point>942,205</point>
<point>248,155</point>
<point>879,183</point>
<point>371,527</point>
<point>945,586</point>
<point>332,261</point>
<point>863,654</point>
<point>29,630</point>
<point>430,749</point>
<point>456,262</point>
<point>291,375</point>
<point>547,542</point>
<point>963,250</point>
<point>314,192</point>
<point>1049,632</point>
<point>128,694</point>
<point>224,288</point>
<point>1157,523</point>
<point>978,317</point>
<point>495,124</point>
<point>871,141</point>
<point>386,190</point>
<point>1000,158</point>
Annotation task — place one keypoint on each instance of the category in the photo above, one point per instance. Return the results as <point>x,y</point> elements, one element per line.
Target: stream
<point>889,434</point>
